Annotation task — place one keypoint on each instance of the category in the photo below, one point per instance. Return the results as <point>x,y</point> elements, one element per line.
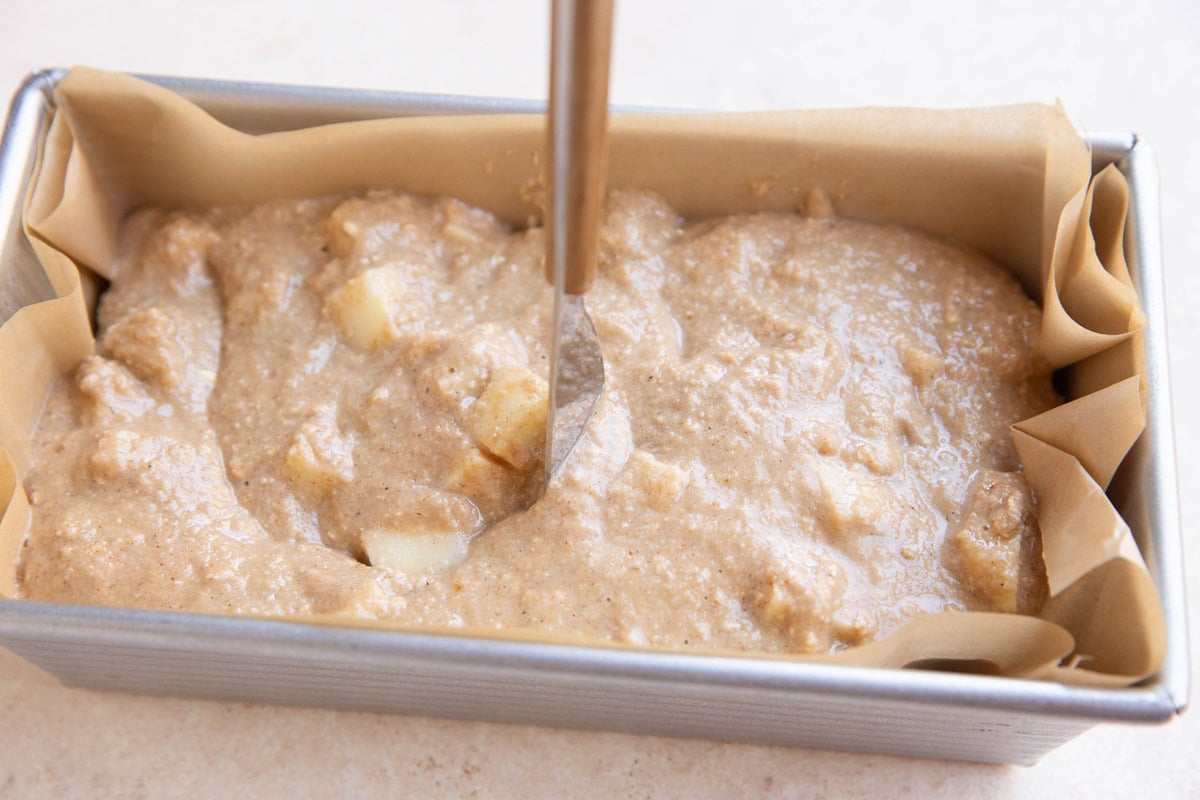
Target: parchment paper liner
<point>1012,181</point>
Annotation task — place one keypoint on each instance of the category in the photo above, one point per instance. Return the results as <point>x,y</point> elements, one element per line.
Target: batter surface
<point>319,406</point>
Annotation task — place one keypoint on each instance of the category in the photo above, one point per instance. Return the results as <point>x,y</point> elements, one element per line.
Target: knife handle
<point>577,138</point>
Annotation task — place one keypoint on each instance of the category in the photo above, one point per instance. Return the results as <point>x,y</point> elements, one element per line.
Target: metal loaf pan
<point>904,712</point>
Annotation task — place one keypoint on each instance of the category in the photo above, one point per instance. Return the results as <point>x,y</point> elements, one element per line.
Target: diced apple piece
<point>476,475</point>
<point>320,456</point>
<point>509,418</point>
<point>461,233</point>
<point>494,486</point>
<point>662,482</point>
<point>370,307</point>
<point>427,551</point>
<point>921,363</point>
<point>342,231</point>
<point>849,499</point>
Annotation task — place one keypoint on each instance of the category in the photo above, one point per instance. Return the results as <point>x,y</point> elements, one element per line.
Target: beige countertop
<point>1114,64</point>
